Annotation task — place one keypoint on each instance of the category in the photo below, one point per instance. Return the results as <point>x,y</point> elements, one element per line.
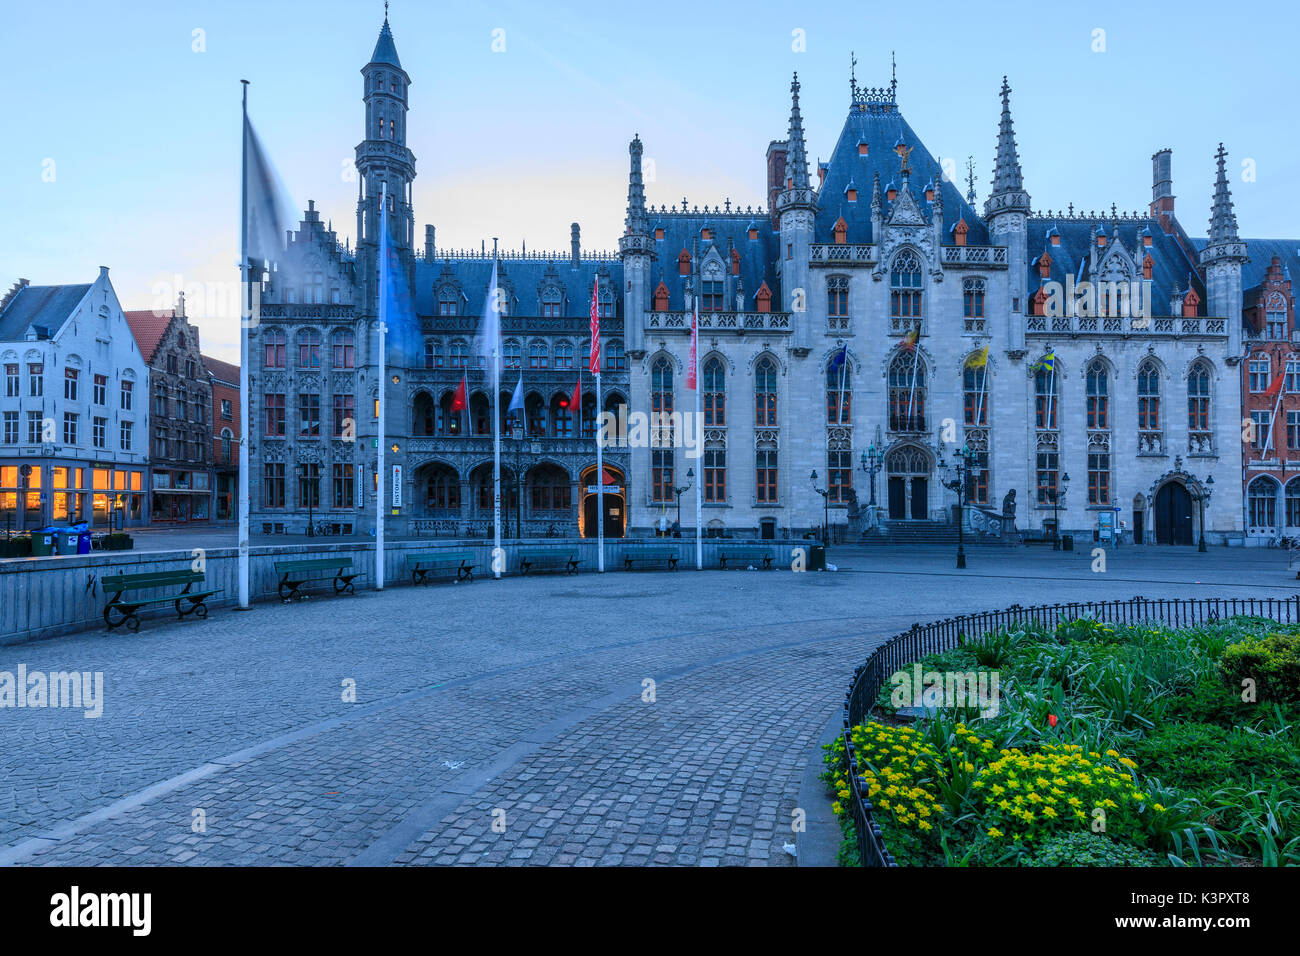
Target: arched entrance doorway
<point>615,507</point>
<point>1173,514</point>
<point>1139,519</point>
<point>908,471</point>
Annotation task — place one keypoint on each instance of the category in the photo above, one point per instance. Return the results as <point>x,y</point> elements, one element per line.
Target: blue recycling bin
<point>83,540</point>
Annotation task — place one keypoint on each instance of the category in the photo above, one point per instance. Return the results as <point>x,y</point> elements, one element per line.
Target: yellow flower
<point>995,832</point>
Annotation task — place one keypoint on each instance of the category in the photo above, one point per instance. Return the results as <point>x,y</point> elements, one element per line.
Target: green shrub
<point>1196,756</point>
<point>1272,662</point>
<point>1085,848</point>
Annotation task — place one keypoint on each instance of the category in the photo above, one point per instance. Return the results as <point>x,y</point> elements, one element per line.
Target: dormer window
<point>891,193</point>
<point>763,299</point>
<point>1190,301</point>
<point>959,232</point>
<point>1101,240</point>
<point>1147,267</point>
<point>706,233</point>
<point>661,297</point>
<point>841,231</point>
<point>753,232</point>
<point>1056,238</point>
<point>552,301</point>
<point>862,149</point>
<point>1045,265</point>
<point>1038,303</point>
<point>735,262</point>
<point>684,263</point>
<point>711,299</point>
<point>659,232</point>
<point>851,194</point>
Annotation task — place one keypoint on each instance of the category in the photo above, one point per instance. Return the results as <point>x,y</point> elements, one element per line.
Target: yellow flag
<point>978,359</point>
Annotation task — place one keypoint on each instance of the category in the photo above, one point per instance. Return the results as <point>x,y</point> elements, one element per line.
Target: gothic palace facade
<point>871,307</point>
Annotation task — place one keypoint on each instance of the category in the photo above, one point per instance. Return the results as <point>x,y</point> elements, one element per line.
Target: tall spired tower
<point>382,157</point>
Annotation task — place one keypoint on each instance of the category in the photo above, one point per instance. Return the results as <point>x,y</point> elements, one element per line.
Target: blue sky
<point>143,131</point>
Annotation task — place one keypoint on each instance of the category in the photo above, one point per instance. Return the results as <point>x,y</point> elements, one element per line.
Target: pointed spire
<point>637,222</point>
<point>385,48</point>
<point>1223,221</point>
<point>876,202</point>
<point>797,157</point>
<point>1006,168</point>
<point>970,180</point>
<point>1008,184</point>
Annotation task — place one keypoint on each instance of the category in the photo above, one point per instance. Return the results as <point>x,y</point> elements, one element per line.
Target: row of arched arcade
<point>547,414</point>
<point>538,499</point>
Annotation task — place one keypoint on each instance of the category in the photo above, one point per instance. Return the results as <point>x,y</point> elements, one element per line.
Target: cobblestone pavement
<point>627,718</point>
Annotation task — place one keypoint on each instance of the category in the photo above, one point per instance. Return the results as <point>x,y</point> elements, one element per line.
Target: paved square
<point>502,722</point>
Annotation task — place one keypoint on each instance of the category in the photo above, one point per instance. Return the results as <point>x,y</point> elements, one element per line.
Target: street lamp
<point>871,459</point>
<point>1207,489</point>
<point>961,471</point>
<point>826,508</point>
<point>1056,494</point>
<point>690,479</point>
<point>301,471</point>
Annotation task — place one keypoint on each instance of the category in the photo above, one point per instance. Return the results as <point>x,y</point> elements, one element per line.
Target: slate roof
<point>881,130</point>
<point>222,371</point>
<point>385,48</point>
<point>1170,265</point>
<point>1261,252</point>
<point>523,276</point>
<point>757,256</point>
<point>45,306</point>
<point>149,327</point>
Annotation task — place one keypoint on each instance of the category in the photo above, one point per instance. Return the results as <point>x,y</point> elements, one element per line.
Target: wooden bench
<point>536,558</point>
<point>759,557</point>
<point>126,609</point>
<point>1036,537</point>
<point>294,574</point>
<point>420,565</point>
<point>634,554</point>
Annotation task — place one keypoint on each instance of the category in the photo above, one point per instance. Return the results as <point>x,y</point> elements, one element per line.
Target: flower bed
<point>1108,744</point>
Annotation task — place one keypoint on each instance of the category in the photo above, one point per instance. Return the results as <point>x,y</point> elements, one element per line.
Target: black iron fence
<point>922,639</point>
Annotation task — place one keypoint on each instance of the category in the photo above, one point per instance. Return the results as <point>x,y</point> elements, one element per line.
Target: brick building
<point>226,433</point>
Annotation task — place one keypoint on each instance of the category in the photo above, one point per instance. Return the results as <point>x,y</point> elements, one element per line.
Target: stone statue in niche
<point>1009,504</point>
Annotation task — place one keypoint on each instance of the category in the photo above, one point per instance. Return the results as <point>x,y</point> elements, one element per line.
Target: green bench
<point>536,558</point>
<point>650,555</point>
<point>295,574</point>
<point>759,557</point>
<point>125,609</point>
<point>462,562</point>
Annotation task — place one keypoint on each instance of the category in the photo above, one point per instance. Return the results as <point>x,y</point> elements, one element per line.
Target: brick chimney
<point>1162,189</point>
<point>575,245</point>
<point>430,246</point>
<point>17,287</point>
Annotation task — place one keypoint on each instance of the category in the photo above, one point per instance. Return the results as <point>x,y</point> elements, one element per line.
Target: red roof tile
<point>222,371</point>
<point>148,328</point>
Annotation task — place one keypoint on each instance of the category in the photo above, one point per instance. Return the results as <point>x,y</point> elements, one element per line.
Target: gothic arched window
<point>512,354</point>
<point>309,349</point>
<point>1198,399</point>
<point>1045,397</point>
<point>765,393</point>
<point>275,343</point>
<point>905,286</point>
<point>907,392</point>
<point>839,391</point>
<point>538,355</point>
<point>1098,395</point>
<point>459,355</point>
<point>715,393</point>
<point>344,345</point>
<point>1148,397</point>
<point>975,398</point>
<point>1261,497</point>
<point>552,303</point>
<point>564,355</point>
<point>661,451</point>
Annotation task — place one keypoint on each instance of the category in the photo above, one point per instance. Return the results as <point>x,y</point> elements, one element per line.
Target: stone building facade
<point>180,403</point>
<point>226,431</point>
<point>873,313</point>
<point>74,410</point>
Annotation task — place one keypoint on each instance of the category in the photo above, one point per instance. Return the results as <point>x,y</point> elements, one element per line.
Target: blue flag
<point>404,341</point>
<point>837,360</point>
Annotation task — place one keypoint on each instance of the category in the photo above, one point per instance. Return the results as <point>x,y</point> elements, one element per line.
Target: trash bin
<point>817,557</point>
<point>43,542</point>
<point>83,540</point>
<point>1067,542</point>
<point>69,539</point>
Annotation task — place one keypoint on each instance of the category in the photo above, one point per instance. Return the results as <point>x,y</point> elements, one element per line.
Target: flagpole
<point>984,386</point>
<point>244,317</point>
<point>383,374</point>
<point>916,358</point>
<point>600,456</point>
<point>839,399</point>
<point>493,351</point>
<point>699,479</point>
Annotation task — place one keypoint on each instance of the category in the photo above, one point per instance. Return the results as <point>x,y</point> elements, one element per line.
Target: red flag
<point>460,401</point>
<point>575,403</point>
<point>694,359</point>
<point>1272,391</point>
<point>609,477</point>
<point>594,364</point>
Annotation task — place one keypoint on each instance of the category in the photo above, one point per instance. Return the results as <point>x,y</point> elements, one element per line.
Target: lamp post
<point>871,459</point>
<point>1056,493</point>
<point>826,508</point>
<point>690,481</point>
<point>301,471</point>
<point>1207,489</point>
<point>961,472</point>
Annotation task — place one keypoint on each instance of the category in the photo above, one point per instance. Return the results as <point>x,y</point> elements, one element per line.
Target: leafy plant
<point>1085,848</point>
